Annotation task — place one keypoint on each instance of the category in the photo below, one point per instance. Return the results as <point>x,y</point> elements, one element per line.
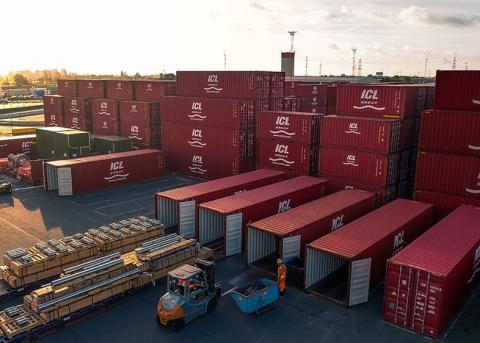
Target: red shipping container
<point>344,265</point>
<point>435,273</point>
<point>310,90</point>
<point>384,194</point>
<point>105,117</point>
<point>228,113</point>
<point>451,132</point>
<point>288,126</point>
<point>86,174</point>
<point>457,90</point>
<point>444,203</point>
<point>140,121</point>
<point>225,84</point>
<point>389,101</point>
<point>16,145</point>
<point>153,90</point>
<point>224,219</point>
<point>209,140</point>
<point>288,156</point>
<point>332,100</point>
<point>92,88</point>
<point>147,112</point>
<point>53,110</point>
<point>179,207</point>
<point>120,90</point>
<point>450,174</point>
<point>67,87</point>
<point>286,234</point>
<point>364,167</point>
<point>77,113</point>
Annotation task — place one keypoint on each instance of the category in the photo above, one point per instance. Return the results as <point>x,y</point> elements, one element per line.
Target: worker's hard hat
<point>279,261</point>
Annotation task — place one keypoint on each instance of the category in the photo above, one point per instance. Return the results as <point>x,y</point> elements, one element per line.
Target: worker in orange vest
<point>281,276</point>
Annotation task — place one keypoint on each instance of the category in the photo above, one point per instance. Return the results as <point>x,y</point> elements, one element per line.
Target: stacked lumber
<point>16,320</point>
<point>45,260</point>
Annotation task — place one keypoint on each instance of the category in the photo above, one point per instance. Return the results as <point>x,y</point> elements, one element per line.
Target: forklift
<point>191,292</point>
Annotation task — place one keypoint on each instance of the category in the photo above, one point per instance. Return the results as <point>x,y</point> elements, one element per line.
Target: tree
<point>137,76</point>
<point>20,79</point>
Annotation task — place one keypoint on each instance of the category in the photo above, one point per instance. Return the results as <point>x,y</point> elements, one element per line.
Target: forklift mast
<point>209,268</point>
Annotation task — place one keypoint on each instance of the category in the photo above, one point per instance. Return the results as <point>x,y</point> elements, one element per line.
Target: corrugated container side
<point>370,168</point>
<point>457,90</point>
<point>452,174</point>
<point>332,100</point>
<point>105,117</point>
<point>288,126</point>
<point>451,132</point>
<point>53,110</point>
<point>67,87</point>
<point>153,90</point>
<point>16,145</point>
<point>435,273</point>
<point>92,88</point>
<point>120,90</point>
<point>444,203</point>
<point>355,256</point>
<point>77,113</point>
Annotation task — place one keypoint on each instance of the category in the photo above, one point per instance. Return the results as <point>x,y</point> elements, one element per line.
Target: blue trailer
<point>256,297</point>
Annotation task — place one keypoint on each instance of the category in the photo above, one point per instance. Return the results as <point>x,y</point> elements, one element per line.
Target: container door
<point>398,294</point>
<point>233,234</point>
<point>187,218</point>
<point>291,248</point>
<point>64,181</point>
<point>359,281</point>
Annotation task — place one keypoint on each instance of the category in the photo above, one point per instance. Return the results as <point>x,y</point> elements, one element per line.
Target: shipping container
<point>77,113</point>
<point>286,234</point>
<point>313,104</point>
<point>105,117</point>
<point>300,158</point>
<point>96,172</point>
<point>452,174</point>
<point>444,203</point>
<point>457,90</point>
<point>332,100</point>
<point>375,100</point>
<point>344,265</point>
<point>153,90</point>
<point>288,126</point>
<point>140,121</point>
<point>92,88</point>
<point>16,145</point>
<point>370,168</point>
<point>383,194</point>
<point>53,110</point>
<point>228,113</point>
<point>120,90</point>
<point>208,140</point>
<point>310,89</point>
<point>67,87</point>
<point>453,132</point>
<point>224,219</point>
<point>45,139</point>
<point>179,207</point>
<point>111,144</point>
<point>70,144</point>
<point>428,280</point>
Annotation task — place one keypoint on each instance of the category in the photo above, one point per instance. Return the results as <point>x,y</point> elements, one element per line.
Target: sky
<point>153,36</point>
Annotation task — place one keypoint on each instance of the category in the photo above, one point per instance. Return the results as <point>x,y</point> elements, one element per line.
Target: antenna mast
<point>354,50</point>
<point>225,60</point>
<point>306,66</point>
<point>454,63</point>
<point>359,67</point>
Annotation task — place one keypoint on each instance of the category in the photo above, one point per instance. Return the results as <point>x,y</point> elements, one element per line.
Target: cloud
<point>415,14</point>
<point>257,4</point>
<point>333,46</point>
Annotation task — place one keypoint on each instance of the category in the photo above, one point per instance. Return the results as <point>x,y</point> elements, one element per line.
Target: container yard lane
<point>32,215</point>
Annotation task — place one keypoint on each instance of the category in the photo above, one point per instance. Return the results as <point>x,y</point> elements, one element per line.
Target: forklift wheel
<point>212,304</point>
<point>177,324</point>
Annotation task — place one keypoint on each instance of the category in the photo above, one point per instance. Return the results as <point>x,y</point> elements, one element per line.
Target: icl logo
<point>353,126</point>
<point>283,206</point>
<point>370,94</point>
<point>119,85</point>
<point>51,101</point>
<point>213,78</point>
<point>90,85</point>
<point>52,117</point>
<point>75,120</point>
<point>104,126</point>
<point>197,133</point>
<point>133,108</point>
<point>240,191</point>
<point>197,159</point>
<point>26,145</point>
<point>74,102</point>
<point>282,121</point>
<point>66,83</point>
<point>197,106</point>
<point>116,166</point>
<point>281,149</point>
<point>103,105</point>
<point>351,158</point>
<point>134,129</point>
<point>337,222</point>
<point>149,87</point>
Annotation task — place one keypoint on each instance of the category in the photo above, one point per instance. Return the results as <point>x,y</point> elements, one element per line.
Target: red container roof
<point>66,163</point>
<point>441,248</point>
<point>239,201</point>
<point>289,113</point>
<point>284,223</point>
<point>361,234</point>
<point>188,192</point>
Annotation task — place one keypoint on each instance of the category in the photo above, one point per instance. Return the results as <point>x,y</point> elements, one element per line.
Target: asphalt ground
<point>31,215</point>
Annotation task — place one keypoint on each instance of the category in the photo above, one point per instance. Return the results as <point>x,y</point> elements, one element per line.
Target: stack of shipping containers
<point>288,141</point>
<point>371,143</point>
<point>448,163</point>
<point>209,129</point>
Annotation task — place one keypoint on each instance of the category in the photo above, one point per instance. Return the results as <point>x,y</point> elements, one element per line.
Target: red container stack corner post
<point>448,163</point>
<point>288,141</point>
<point>53,110</point>
<point>346,264</point>
<point>222,222</point>
<point>428,281</point>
